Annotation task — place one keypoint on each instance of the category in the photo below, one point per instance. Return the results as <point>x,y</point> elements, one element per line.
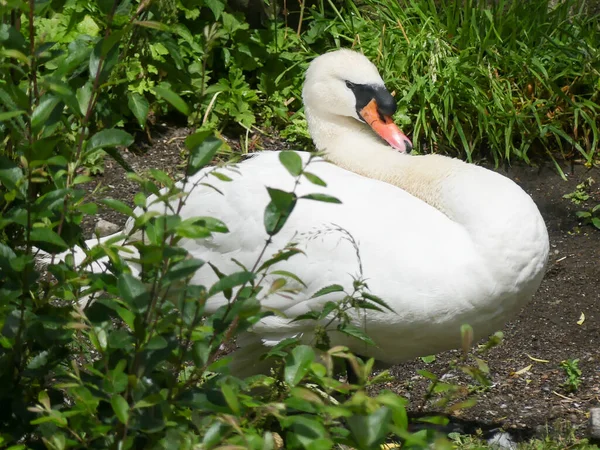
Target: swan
<point>443,242</point>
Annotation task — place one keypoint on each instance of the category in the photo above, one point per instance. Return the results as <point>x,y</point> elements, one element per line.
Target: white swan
<point>443,242</point>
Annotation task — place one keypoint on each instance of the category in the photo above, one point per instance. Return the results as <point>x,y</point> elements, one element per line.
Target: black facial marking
<point>364,93</point>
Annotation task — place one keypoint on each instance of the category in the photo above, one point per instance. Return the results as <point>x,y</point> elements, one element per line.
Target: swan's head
<point>346,83</point>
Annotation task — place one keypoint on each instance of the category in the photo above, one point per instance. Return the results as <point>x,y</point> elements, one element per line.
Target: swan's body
<point>443,242</point>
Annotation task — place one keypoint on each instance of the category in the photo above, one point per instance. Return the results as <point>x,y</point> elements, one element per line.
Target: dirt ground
<point>562,322</point>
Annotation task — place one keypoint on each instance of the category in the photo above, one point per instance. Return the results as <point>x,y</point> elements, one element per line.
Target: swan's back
<point>415,258</point>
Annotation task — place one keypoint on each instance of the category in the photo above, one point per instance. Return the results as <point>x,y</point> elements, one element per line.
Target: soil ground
<point>562,322</point>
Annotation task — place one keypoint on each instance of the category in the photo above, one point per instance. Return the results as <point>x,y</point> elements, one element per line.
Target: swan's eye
<point>350,85</point>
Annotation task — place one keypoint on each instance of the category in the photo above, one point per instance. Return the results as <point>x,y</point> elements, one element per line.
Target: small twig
<point>176,138</point>
<point>564,397</point>
<point>209,107</point>
<point>302,4</point>
<point>403,32</point>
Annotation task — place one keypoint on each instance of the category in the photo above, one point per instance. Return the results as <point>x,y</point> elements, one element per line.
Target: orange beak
<point>386,128</point>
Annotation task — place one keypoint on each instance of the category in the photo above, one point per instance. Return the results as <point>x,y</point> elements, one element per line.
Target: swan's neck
<point>354,146</point>
<point>501,219</point>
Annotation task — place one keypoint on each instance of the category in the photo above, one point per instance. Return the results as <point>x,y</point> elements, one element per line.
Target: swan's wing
<point>379,233</point>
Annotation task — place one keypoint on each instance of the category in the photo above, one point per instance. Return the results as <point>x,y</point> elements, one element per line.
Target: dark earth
<point>561,323</point>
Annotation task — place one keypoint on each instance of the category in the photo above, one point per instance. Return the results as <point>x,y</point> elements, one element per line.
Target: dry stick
<point>32,52</point>
<point>403,32</point>
<point>380,45</point>
<point>210,107</point>
<point>285,18</point>
<point>302,3</point>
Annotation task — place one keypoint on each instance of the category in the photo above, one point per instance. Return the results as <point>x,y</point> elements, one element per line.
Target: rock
<point>105,228</point>
<point>541,431</point>
<point>502,441</point>
<point>594,424</point>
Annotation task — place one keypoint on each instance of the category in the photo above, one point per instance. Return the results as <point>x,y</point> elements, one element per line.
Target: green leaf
<point>328,290</point>
<point>398,406</point>
<point>354,331</point>
<point>162,177</point>
<point>306,432</point>
<point>109,138</point>
<point>216,6</point>
<point>292,162</point>
<point>369,431</point>
<point>118,205</point>
<point>212,224</point>
<point>231,281</point>
<point>281,256</point>
<point>202,146</point>
<point>43,111</point>
<point>116,155</point>
<point>297,364</point>
<point>151,400</point>
<point>231,398</point>
<point>429,375</point>
<point>64,92</point>
<point>10,173</point>
<point>174,99</point>
<point>46,235</point>
<point>139,106</point>
<point>321,198</point>
<point>84,96</point>
<point>596,222</point>
<point>120,338</point>
<point>153,25</point>
<point>214,434</point>
<point>219,175</point>
<point>38,361</point>
<point>327,309</point>
<point>314,179</point>
<point>436,420</point>
<point>157,343</point>
<point>278,210</point>
<point>4,116</point>
<point>293,276</point>
<point>120,407</point>
<point>281,199</point>
<point>133,291</point>
<point>192,231</point>
<point>428,359</point>
<point>182,269</point>
<point>200,353</point>
<point>377,300</point>
<point>10,37</point>
<point>310,315</point>
<point>104,56</point>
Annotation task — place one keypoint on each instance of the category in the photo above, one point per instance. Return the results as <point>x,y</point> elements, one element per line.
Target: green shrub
<point>141,367</point>
<point>507,79</point>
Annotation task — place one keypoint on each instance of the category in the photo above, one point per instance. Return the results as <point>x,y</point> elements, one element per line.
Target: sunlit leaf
<point>202,146</point>
<point>292,162</point>
<point>297,364</point>
<point>174,99</point>
<point>120,407</point>
<point>139,106</point>
<point>109,138</point>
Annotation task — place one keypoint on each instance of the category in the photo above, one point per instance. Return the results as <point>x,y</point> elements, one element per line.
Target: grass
<point>506,80</point>
<point>560,436</point>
